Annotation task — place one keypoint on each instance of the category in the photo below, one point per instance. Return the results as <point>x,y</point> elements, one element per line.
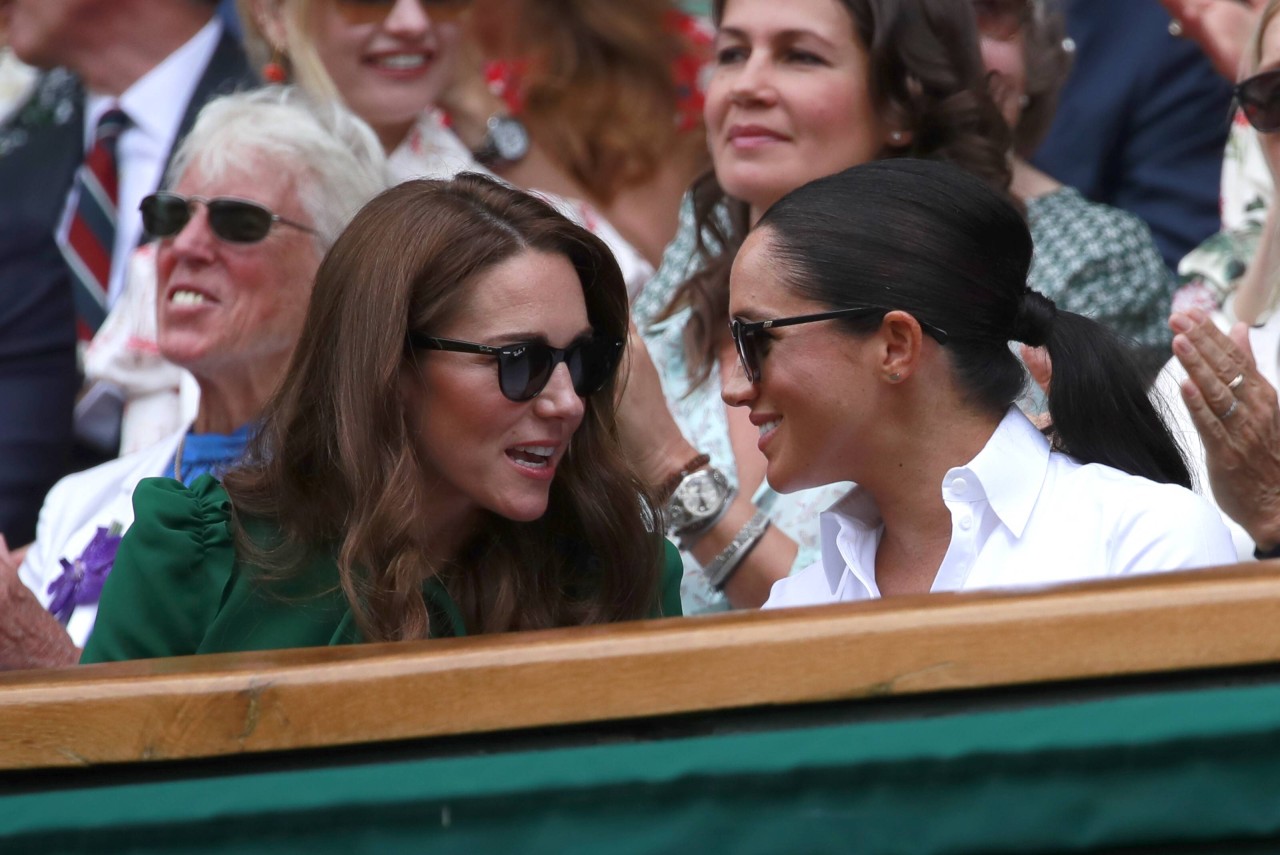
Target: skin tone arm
<point>659,450</point>
<point>1242,451</point>
<point>30,637</point>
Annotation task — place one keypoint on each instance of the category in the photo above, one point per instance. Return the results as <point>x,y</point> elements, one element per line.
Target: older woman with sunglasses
<point>872,313</point>
<point>260,188</point>
<point>441,458</point>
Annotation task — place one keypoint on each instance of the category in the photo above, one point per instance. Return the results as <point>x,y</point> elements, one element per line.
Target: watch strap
<point>669,486</point>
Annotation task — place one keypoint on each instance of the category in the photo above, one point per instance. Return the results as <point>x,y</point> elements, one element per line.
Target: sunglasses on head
<point>1000,19</point>
<point>524,369</point>
<point>235,220</point>
<point>746,334</point>
<point>1259,99</point>
<point>356,12</point>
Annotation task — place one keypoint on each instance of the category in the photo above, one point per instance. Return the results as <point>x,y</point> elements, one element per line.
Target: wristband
<point>669,486</point>
<point>1267,554</point>
<point>722,567</point>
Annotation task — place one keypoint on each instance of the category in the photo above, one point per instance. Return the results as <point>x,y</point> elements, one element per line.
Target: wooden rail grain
<point>227,704</point>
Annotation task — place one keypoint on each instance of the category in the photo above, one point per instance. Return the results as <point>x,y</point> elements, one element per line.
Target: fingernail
<point>1180,323</point>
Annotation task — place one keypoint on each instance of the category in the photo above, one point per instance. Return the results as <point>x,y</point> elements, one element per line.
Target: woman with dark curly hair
<point>799,90</point>
<point>441,458</point>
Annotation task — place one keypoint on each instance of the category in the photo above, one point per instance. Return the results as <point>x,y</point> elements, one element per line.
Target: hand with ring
<point>1235,411</point>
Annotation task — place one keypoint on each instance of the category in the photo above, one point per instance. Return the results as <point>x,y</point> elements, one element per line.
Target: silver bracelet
<point>722,566</point>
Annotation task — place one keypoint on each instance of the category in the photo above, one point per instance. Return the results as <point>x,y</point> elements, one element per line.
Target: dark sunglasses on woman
<point>747,334</point>
<point>524,369</point>
<point>165,214</point>
<point>1259,99</point>
<point>356,12</point>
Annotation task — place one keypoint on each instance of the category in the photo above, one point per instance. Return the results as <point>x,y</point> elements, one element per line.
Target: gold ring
<point>1236,383</point>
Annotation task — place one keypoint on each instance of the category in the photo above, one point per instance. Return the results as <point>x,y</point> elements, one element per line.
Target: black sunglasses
<point>524,369</point>
<point>1259,98</point>
<point>746,334</point>
<point>236,220</point>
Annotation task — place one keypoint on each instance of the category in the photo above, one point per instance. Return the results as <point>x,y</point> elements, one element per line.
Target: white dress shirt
<point>155,104</point>
<point>1023,516</point>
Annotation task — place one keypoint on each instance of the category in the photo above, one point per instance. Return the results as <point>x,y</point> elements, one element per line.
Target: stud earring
<point>896,137</point>
<point>895,377</point>
<point>273,71</point>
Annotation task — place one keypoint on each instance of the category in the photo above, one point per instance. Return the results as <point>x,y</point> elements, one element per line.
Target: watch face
<point>704,496</point>
<point>510,139</point>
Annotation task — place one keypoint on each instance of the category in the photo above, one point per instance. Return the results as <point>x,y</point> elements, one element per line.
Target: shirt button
<point>959,485</point>
<point>966,523</point>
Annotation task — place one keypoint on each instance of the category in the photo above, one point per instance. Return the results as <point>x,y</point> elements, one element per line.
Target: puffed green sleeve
<point>672,573</point>
<point>170,574</point>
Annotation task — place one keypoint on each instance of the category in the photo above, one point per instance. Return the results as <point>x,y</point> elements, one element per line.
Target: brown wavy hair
<point>926,77</point>
<point>335,465</point>
<point>599,94</point>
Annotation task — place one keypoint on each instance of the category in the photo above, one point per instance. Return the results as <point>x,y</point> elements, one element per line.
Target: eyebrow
<point>529,335</point>
<point>791,35</point>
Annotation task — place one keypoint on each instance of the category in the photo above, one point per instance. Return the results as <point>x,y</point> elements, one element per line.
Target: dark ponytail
<point>931,239</point>
<point>1098,400</point>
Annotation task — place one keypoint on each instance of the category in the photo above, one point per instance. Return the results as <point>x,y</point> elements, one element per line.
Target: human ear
<point>901,339</point>
<point>268,16</point>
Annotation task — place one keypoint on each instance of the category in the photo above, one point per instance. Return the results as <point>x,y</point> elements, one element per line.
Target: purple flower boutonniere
<point>81,580</point>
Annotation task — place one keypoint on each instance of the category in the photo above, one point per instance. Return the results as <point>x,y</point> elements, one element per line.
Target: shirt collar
<point>857,513</point>
<point>1008,472</point>
<point>157,101</point>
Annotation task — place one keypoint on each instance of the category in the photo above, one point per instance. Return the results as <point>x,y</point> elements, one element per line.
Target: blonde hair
<point>298,53</point>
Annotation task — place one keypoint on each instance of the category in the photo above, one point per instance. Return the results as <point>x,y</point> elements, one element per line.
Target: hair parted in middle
<point>935,241</point>
<point>335,464</point>
<point>926,73</point>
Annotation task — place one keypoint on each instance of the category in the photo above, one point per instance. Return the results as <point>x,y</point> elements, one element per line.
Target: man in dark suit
<point>160,60</point>
<point>1142,121</point>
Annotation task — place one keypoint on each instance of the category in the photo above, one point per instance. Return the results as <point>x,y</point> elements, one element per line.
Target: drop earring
<point>273,70</point>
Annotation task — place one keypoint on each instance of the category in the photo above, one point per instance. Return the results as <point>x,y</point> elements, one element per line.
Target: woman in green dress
<point>441,458</point>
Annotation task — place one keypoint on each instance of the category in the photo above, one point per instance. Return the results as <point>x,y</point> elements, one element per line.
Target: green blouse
<point>177,587</point>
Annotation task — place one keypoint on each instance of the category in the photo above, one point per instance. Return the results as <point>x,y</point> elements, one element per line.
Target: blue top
<point>209,453</point>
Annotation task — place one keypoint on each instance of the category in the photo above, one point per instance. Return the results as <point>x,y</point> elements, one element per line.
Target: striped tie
<point>92,232</point>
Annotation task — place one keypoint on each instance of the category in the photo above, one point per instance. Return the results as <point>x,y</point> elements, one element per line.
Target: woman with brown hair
<point>440,460</point>
<point>800,90</point>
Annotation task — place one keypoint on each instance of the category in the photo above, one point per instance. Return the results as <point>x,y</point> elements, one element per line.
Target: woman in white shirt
<point>872,311</point>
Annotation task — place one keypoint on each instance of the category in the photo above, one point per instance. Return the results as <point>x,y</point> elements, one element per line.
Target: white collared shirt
<point>155,104</point>
<point>1023,516</point>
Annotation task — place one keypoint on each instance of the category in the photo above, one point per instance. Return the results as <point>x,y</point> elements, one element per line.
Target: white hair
<point>337,159</point>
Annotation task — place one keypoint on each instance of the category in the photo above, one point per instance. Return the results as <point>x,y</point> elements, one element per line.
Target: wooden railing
<point>207,706</point>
